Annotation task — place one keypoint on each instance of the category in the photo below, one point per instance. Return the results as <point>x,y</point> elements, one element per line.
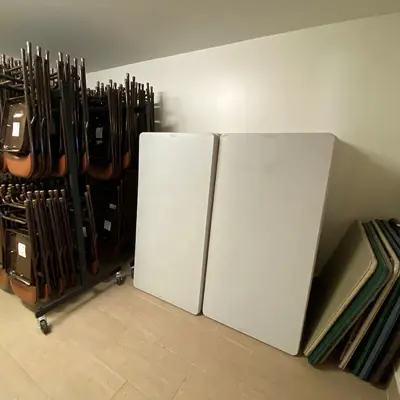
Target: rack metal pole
<point>73,162</point>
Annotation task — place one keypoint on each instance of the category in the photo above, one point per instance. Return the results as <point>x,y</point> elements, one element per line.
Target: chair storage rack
<point>68,172</point>
<point>87,281</point>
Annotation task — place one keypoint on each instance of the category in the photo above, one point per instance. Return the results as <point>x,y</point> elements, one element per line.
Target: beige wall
<point>342,78</point>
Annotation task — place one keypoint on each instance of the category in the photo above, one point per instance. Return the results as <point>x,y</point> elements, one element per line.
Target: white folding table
<point>176,181</point>
<point>268,206</point>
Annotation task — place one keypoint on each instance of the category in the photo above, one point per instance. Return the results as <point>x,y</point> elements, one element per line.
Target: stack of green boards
<point>359,297</point>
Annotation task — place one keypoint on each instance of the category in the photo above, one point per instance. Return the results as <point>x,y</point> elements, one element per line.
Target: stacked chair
<point>68,176</point>
<point>117,115</point>
<point>36,242</point>
<point>356,308</point>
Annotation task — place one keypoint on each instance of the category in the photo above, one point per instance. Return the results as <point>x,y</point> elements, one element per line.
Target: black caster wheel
<point>44,327</point>
<point>120,279</point>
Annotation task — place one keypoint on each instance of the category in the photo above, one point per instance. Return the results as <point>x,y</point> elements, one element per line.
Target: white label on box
<point>21,250</point>
<point>113,206</point>
<point>84,231</point>
<point>107,225</point>
<point>99,133</point>
<point>15,129</point>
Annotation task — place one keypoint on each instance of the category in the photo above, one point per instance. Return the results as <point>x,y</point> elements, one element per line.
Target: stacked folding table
<point>229,225</point>
<point>358,302</point>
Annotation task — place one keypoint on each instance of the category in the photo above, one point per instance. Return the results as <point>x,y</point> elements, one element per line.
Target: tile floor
<point>119,343</point>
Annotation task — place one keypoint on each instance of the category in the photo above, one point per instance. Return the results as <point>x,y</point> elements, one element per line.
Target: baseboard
<point>392,392</point>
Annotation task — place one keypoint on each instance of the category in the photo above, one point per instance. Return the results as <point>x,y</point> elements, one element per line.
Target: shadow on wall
<point>362,186</point>
<point>165,120</point>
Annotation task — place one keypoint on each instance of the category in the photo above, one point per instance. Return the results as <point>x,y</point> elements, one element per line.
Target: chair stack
<point>117,116</point>
<point>68,173</point>
<point>357,304</point>
<point>37,249</point>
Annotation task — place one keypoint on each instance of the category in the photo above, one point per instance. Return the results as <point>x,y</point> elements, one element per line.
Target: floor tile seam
<point>132,384</point>
<point>37,384</point>
<point>183,382</point>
